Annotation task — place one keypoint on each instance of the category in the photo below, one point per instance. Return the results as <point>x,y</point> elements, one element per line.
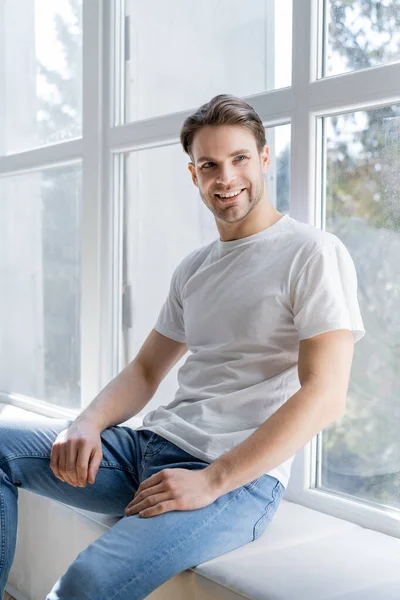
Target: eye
<point>211,163</point>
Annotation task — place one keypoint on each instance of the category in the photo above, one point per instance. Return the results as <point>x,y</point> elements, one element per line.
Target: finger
<point>61,465</point>
<point>54,460</point>
<point>82,460</point>
<point>63,462</point>
<point>149,502</point>
<point>153,480</point>
<point>72,451</point>
<point>158,509</point>
<point>139,497</point>
<point>94,465</point>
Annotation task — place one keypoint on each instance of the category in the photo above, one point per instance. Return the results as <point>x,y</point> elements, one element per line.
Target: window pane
<point>40,73</point>
<point>40,227</point>
<point>360,35</point>
<point>360,452</point>
<point>165,220</point>
<point>183,53</point>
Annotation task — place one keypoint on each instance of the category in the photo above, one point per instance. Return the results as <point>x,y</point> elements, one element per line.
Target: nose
<point>225,175</point>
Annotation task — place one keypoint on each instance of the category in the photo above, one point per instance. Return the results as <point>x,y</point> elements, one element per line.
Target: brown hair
<point>223,109</point>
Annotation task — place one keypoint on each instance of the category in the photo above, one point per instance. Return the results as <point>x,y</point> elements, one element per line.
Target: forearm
<point>294,424</point>
<point>122,398</point>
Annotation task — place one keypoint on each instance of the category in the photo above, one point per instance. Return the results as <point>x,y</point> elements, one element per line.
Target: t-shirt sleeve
<point>170,321</point>
<point>325,294</point>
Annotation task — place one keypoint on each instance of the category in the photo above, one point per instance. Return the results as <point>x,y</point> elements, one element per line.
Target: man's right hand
<point>77,453</point>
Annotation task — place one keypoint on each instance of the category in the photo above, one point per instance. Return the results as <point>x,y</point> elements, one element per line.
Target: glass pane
<point>40,73</point>
<point>182,53</point>
<point>165,220</point>
<point>360,452</point>
<point>360,35</point>
<point>40,248</point>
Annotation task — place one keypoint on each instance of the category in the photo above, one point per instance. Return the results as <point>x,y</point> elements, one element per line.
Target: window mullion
<point>93,159</point>
<point>304,171</point>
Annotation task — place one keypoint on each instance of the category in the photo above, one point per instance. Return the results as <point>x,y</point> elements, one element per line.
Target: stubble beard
<point>224,214</point>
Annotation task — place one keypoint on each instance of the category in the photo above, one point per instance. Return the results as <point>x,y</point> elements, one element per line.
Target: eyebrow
<point>241,151</point>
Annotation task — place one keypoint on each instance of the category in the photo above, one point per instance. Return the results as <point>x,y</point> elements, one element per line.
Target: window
<point>41,204</point>
<point>360,453</point>
<point>95,95</point>
<point>40,247</point>
<point>41,73</point>
<point>181,55</point>
<point>360,35</point>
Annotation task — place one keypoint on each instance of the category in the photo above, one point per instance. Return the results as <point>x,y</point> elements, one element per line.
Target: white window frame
<point>302,106</point>
<point>89,150</point>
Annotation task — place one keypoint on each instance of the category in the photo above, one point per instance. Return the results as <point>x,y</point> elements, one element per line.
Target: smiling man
<point>269,314</point>
<point>232,184</point>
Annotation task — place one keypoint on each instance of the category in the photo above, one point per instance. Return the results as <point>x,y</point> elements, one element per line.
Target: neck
<point>264,219</point>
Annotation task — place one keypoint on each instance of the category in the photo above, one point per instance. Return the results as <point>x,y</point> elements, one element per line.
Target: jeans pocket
<point>270,510</point>
<point>155,444</point>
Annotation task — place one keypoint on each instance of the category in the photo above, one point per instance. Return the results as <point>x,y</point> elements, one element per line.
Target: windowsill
<point>326,557</point>
<point>35,406</point>
<point>383,520</point>
<point>21,407</point>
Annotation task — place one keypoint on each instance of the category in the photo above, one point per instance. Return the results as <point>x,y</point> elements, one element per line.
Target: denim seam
<point>250,485</point>
<point>3,527</point>
<point>144,454</point>
<point>5,459</point>
<point>266,511</point>
<point>159,448</point>
<point>158,564</point>
<point>147,451</point>
<point>36,455</point>
<point>117,466</point>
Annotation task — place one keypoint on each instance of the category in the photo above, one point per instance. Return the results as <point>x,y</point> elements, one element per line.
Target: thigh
<point>25,449</point>
<point>137,555</point>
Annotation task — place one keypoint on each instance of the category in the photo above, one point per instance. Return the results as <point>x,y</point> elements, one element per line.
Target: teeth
<point>230,195</point>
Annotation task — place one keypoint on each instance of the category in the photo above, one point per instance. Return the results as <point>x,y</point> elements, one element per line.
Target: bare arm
<point>77,451</point>
<point>129,392</point>
<point>324,367</point>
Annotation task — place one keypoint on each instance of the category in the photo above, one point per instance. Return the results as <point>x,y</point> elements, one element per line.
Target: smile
<point>229,196</point>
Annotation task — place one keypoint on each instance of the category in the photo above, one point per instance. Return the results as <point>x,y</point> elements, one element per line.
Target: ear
<point>265,160</point>
<point>192,170</point>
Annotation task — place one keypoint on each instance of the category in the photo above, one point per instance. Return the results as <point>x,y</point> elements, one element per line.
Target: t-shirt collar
<point>265,233</point>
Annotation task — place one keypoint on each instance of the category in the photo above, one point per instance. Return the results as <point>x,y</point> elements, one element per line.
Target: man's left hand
<point>172,489</point>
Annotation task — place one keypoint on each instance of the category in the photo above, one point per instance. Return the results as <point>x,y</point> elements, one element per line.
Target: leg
<point>137,555</point>
<point>25,449</point>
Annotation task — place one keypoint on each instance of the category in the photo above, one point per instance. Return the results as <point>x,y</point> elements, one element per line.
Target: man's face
<point>216,172</point>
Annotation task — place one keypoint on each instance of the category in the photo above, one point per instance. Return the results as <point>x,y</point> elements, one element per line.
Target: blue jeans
<point>136,555</point>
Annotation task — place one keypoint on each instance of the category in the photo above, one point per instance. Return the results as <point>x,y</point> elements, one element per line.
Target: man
<point>270,315</point>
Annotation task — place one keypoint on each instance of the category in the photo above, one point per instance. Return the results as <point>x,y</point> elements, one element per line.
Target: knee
<point>8,442</point>
<point>77,583</point>
<point>6,473</point>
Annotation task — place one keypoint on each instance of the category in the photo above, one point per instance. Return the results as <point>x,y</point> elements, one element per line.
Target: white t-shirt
<point>242,307</point>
